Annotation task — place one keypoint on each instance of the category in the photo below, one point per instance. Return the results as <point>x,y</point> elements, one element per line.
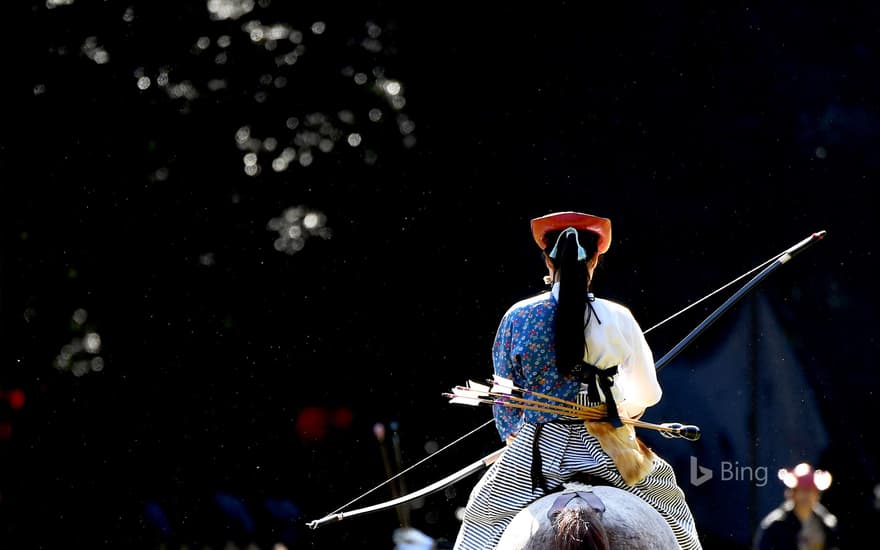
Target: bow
<point>484,462</point>
<point>768,267</point>
<point>778,262</point>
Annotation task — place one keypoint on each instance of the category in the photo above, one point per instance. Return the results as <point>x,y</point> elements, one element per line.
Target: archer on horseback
<point>566,344</point>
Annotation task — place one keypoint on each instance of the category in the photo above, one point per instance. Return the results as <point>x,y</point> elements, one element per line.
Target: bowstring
<point>392,478</point>
<point>491,420</point>
<point>714,292</point>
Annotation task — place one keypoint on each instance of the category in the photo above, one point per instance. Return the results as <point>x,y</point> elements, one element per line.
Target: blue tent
<point>750,396</point>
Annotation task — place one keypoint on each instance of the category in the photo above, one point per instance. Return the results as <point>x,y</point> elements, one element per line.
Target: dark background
<point>235,388</point>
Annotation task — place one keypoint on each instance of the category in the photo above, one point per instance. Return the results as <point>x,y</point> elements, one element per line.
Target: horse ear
<point>634,459</point>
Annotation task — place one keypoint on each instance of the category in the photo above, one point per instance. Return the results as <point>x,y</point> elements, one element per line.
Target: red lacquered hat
<point>805,477</point>
<point>563,220</point>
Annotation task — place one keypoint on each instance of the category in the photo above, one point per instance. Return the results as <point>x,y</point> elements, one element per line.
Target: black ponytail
<point>569,255</point>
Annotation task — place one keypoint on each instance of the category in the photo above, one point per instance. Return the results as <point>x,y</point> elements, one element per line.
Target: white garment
<point>616,338</point>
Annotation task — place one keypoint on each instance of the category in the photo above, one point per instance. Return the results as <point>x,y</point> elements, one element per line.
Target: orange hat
<point>564,220</point>
<point>804,476</point>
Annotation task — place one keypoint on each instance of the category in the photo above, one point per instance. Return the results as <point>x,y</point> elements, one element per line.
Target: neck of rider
<point>553,276</point>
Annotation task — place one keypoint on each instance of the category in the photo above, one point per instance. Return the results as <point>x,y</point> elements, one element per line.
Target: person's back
<point>566,344</point>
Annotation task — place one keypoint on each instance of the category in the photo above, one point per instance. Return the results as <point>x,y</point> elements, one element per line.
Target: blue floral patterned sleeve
<point>508,420</point>
<point>523,351</point>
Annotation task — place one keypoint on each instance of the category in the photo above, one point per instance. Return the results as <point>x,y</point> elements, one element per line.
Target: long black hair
<point>569,252</point>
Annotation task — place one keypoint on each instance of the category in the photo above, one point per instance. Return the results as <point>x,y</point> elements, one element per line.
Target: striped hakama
<point>566,450</point>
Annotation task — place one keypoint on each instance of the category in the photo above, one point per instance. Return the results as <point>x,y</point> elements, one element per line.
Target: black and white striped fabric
<point>566,450</point>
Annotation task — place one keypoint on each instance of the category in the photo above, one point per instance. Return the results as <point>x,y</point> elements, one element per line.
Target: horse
<point>578,516</point>
<point>588,517</point>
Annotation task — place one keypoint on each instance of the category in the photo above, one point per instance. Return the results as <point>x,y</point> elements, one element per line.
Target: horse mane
<point>580,528</point>
<point>583,516</point>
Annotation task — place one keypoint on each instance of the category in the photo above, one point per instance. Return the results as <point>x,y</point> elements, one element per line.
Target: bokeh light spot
<point>342,418</point>
<point>311,424</point>
<point>16,398</point>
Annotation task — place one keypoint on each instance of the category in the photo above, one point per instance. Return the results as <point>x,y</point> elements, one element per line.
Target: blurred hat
<point>805,476</point>
<point>563,220</point>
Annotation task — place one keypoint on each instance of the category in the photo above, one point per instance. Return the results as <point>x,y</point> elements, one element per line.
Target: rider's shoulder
<point>613,306</point>
<point>531,302</point>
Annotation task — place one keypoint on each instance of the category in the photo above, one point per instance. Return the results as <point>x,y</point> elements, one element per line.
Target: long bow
<point>768,267</point>
<point>484,462</point>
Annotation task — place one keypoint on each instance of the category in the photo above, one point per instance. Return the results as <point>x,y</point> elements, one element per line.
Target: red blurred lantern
<point>311,424</point>
<point>16,399</point>
<point>342,418</point>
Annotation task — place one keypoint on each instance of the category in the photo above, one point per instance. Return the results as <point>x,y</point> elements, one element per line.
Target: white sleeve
<point>637,375</point>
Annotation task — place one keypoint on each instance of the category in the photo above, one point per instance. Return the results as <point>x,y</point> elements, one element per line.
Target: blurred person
<point>801,522</point>
<point>567,343</point>
<point>410,538</point>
